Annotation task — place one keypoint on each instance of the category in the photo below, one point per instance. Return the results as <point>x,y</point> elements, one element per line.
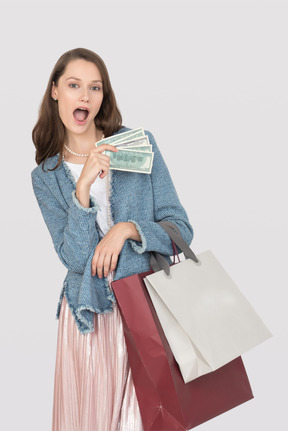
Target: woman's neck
<point>81,144</point>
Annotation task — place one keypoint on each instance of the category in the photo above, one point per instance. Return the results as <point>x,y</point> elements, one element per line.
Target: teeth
<point>82,109</point>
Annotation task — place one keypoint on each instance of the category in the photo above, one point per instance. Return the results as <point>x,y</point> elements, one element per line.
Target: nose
<point>84,96</point>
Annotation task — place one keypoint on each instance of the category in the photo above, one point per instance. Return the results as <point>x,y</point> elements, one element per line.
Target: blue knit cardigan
<point>140,198</point>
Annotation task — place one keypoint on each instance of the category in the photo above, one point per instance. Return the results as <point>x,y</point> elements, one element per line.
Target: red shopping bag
<point>166,403</point>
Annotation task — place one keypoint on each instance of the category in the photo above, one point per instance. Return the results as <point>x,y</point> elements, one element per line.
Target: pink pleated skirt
<point>93,388</point>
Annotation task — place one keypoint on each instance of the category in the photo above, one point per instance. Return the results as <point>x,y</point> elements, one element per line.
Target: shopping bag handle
<point>157,261</point>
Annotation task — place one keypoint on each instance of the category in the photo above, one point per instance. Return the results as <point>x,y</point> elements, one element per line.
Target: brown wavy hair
<point>48,134</point>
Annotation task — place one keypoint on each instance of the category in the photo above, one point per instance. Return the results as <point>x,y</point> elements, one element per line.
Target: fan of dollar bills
<point>134,151</point>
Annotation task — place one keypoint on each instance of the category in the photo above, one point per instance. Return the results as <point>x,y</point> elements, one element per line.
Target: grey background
<point>209,79</point>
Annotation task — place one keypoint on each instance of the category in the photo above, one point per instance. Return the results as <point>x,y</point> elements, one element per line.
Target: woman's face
<point>79,93</point>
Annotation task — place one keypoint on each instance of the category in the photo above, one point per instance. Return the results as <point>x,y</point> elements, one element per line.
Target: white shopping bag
<point>206,319</point>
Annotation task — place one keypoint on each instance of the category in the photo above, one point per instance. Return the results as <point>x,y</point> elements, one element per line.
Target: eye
<point>96,88</point>
<point>73,85</point>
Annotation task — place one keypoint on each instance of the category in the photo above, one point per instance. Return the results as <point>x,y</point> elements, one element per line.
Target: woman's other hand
<point>107,251</point>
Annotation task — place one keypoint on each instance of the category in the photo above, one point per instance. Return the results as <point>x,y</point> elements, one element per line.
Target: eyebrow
<point>78,79</point>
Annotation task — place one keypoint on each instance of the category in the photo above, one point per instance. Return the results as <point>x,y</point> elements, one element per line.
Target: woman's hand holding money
<point>96,164</point>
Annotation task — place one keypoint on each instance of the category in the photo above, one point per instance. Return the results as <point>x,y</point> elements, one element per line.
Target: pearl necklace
<point>76,154</point>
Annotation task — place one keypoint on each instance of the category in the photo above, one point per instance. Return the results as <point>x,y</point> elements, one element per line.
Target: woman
<point>74,187</point>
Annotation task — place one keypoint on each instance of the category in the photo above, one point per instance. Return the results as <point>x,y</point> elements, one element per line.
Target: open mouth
<point>81,114</point>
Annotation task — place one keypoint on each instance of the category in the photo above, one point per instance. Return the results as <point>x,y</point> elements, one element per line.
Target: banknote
<point>146,148</point>
<point>134,151</point>
<point>137,133</point>
<point>133,143</point>
<point>131,161</point>
<point>111,140</point>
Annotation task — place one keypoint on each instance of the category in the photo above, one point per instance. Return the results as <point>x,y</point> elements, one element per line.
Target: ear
<point>54,92</point>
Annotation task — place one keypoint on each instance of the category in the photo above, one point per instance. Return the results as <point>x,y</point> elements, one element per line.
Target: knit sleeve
<point>166,207</point>
<point>72,227</point>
